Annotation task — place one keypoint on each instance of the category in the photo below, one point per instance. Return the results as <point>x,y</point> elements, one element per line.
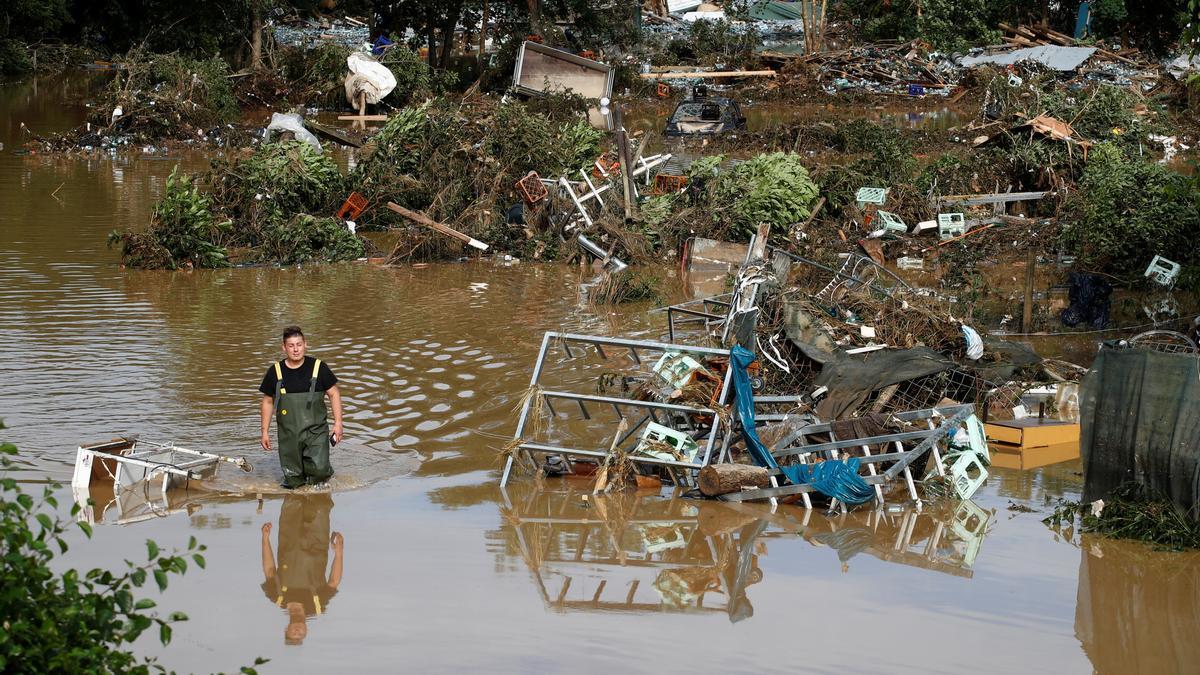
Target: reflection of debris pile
<point>639,553</point>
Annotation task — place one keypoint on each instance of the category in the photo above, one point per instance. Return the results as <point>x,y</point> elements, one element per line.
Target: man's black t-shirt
<point>296,380</point>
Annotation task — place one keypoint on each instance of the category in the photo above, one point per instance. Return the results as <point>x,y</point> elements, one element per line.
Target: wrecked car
<point>702,114</point>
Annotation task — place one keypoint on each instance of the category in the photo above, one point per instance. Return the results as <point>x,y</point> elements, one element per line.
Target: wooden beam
<point>422,219</point>
<point>708,75</point>
<point>364,118</point>
<point>333,134</point>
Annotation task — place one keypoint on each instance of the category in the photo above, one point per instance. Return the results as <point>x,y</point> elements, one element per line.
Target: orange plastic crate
<point>666,184</point>
<point>531,188</point>
<point>606,166</point>
<point>353,207</point>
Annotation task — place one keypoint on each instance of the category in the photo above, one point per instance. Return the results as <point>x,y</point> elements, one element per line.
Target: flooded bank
<point>418,558</point>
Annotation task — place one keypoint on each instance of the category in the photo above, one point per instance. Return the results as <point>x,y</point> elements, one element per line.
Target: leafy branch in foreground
<point>74,621</point>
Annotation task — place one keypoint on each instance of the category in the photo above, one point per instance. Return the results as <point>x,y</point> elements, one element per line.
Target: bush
<point>278,181</point>
<point>771,188</point>
<point>305,238</point>
<point>73,621</point>
<point>182,231</point>
<point>14,58</point>
<point>1127,209</point>
<point>414,78</point>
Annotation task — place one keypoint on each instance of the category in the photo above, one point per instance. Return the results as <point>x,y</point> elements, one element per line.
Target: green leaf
<point>151,549</point>
<point>138,577</point>
<point>145,603</point>
<point>160,577</point>
<point>178,616</point>
<point>45,522</point>
<point>25,501</point>
<point>199,559</point>
<point>164,633</point>
<point>191,543</point>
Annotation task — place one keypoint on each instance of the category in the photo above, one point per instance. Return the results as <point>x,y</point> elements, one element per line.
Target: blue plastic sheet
<point>839,480</point>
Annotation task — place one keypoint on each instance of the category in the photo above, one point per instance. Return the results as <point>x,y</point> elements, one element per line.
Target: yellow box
<point>1009,456</point>
<point>1032,432</point>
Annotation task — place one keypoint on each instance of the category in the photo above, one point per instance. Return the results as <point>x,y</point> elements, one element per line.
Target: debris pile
<point>159,96</point>
<point>310,33</point>
<point>909,69</point>
<point>835,389</point>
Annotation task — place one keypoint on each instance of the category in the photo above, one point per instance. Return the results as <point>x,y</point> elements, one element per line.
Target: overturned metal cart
<point>131,464</point>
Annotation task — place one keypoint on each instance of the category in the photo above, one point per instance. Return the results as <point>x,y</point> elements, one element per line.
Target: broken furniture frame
<point>643,168</point>
<point>650,411</point>
<point>794,445</point>
<point>701,310</point>
<point>853,262</point>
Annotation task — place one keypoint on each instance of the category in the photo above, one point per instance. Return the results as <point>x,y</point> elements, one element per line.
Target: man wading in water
<point>296,388</point>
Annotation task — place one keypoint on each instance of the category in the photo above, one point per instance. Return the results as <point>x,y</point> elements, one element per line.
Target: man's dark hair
<point>291,332</point>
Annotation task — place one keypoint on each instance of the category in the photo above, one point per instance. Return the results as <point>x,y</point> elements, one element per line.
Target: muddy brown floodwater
<point>417,561</point>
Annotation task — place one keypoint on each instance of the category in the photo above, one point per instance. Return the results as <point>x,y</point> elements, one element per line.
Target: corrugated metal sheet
<point>775,10</point>
<point>1053,56</point>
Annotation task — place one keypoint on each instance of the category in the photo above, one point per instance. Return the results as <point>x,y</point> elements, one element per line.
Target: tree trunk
<point>256,30</point>
<point>482,37</point>
<point>535,16</point>
<point>720,479</point>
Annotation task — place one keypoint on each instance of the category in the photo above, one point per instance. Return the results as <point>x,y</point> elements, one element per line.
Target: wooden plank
<point>364,118</point>
<point>422,219</point>
<point>709,75</point>
<point>333,134</point>
<point>994,198</point>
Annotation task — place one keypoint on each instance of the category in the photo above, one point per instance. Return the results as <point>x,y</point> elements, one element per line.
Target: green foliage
<point>459,162</point>
<point>657,209</point>
<point>531,142</point>
<point>712,42</point>
<point>258,200</point>
<point>704,168</point>
<point>770,188</point>
<point>27,20</point>
<point>1108,16</point>
<point>278,181</point>
<point>14,57</point>
<point>948,25</point>
<point>69,621</point>
<point>580,143</point>
<point>182,231</point>
<point>1131,512</point>
<point>1103,113</point>
<point>414,77</point>
<point>305,238</point>
<point>889,155</point>
<point>1128,209</point>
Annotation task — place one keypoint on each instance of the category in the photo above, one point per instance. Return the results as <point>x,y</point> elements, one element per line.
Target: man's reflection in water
<point>298,583</point>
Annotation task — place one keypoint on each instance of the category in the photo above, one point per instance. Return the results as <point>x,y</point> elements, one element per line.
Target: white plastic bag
<point>974,343</point>
<point>367,76</point>
<point>293,123</point>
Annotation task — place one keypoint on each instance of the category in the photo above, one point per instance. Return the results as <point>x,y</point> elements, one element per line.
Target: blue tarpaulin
<point>839,480</point>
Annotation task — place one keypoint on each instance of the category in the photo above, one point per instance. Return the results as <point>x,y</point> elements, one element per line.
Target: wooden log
<point>422,219</point>
<point>720,479</point>
<point>715,74</point>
